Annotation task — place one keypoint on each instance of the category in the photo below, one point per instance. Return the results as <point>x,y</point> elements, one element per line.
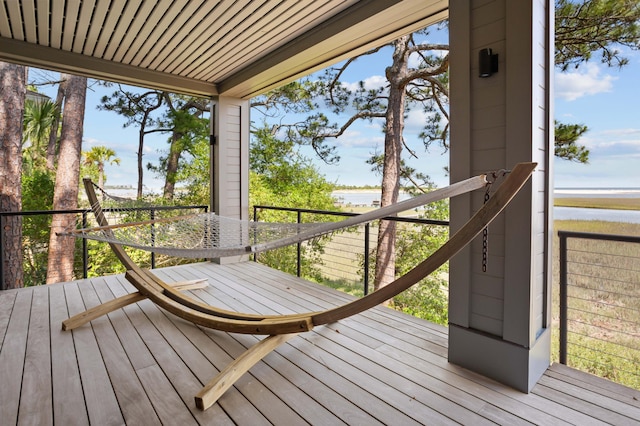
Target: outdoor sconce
<point>488,63</point>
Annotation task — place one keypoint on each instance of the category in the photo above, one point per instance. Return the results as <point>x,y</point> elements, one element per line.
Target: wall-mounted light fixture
<point>488,63</point>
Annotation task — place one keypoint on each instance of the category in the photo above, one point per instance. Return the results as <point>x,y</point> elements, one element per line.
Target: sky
<point>605,99</point>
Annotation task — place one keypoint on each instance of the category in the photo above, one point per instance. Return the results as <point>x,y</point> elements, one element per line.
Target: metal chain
<point>485,236</point>
<point>491,179</point>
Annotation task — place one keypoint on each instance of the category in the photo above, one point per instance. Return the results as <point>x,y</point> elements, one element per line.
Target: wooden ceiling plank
<point>226,63</point>
<point>205,31</point>
<point>113,17</point>
<point>15,18</point>
<point>171,10</point>
<point>43,22</point>
<point>225,66</point>
<point>126,21</point>
<point>82,27</point>
<point>274,70</point>
<point>232,42</point>
<point>57,18</point>
<point>144,35</point>
<point>230,18</point>
<point>70,22</point>
<point>172,40</point>
<point>144,14</point>
<point>95,27</point>
<point>5,25</point>
<point>29,16</point>
<point>243,48</point>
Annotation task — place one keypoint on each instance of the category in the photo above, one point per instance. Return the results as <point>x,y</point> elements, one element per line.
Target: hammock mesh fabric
<point>207,235</point>
<point>199,235</point>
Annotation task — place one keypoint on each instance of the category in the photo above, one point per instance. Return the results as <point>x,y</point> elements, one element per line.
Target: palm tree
<point>99,156</point>
<point>39,117</point>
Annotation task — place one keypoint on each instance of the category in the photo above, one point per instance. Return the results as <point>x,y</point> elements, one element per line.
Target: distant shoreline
<point>612,203</point>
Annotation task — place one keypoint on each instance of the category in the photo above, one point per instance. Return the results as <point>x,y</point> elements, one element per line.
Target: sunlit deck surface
<point>143,366</point>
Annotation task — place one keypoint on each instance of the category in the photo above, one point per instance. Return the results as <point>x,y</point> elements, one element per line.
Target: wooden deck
<point>143,366</point>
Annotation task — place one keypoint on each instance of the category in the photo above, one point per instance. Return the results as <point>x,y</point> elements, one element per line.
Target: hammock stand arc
<point>280,328</point>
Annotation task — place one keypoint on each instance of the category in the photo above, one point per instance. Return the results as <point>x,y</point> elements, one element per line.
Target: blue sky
<point>605,99</point>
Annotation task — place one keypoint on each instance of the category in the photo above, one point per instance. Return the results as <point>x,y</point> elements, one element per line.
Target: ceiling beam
<point>73,63</point>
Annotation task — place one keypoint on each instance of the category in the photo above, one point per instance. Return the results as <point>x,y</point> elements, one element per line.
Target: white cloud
<point>372,82</point>
<point>583,82</point>
<point>359,139</point>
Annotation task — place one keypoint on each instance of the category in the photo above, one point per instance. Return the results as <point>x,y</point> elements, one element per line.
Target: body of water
<point>606,215</point>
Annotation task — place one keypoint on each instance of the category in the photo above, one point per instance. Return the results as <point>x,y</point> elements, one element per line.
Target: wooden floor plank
<point>68,398</point>
<point>370,404</point>
<point>7,299</point>
<point>142,365</point>
<point>597,384</point>
<point>436,394</point>
<point>305,382</point>
<point>134,346</point>
<point>597,406</point>
<point>36,398</point>
<point>212,346</point>
<point>268,402</point>
<point>102,405</point>
<point>176,373</point>
<point>12,355</point>
<point>135,405</point>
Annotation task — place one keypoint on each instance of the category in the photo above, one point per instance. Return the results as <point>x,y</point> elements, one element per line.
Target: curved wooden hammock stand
<point>280,328</point>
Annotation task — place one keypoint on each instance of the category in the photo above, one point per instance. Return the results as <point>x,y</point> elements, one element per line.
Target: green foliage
<point>595,26</point>
<point>429,298</point>
<point>193,174</point>
<point>566,138</point>
<point>281,177</point>
<point>37,194</point>
<point>189,131</point>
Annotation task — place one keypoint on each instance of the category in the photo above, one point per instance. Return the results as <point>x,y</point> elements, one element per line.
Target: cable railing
<point>39,244</point>
<point>599,330</point>
<point>349,252</point>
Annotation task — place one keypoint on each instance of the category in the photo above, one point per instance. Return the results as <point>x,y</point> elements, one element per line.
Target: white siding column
<point>500,319</point>
<point>230,159</point>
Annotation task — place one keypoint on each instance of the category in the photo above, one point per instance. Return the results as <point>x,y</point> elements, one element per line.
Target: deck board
<point>142,365</point>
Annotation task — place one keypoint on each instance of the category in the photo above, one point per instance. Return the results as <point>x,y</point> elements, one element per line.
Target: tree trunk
<point>53,136</point>
<point>12,95</point>
<point>65,197</point>
<point>396,74</point>
<point>175,150</point>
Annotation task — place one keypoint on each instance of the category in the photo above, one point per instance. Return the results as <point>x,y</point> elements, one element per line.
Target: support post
<point>230,160</point>
<point>500,319</point>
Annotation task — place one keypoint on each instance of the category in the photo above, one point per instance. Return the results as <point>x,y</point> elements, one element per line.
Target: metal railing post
<point>366,258</point>
<point>563,298</point>
<point>255,219</point>
<point>2,284</point>
<point>152,214</point>
<point>85,249</point>
<point>299,250</point>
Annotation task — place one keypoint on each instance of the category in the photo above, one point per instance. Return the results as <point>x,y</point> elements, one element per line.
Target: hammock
<point>207,235</point>
<point>280,328</point>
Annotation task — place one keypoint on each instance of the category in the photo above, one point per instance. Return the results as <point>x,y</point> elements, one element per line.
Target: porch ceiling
<point>236,48</point>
